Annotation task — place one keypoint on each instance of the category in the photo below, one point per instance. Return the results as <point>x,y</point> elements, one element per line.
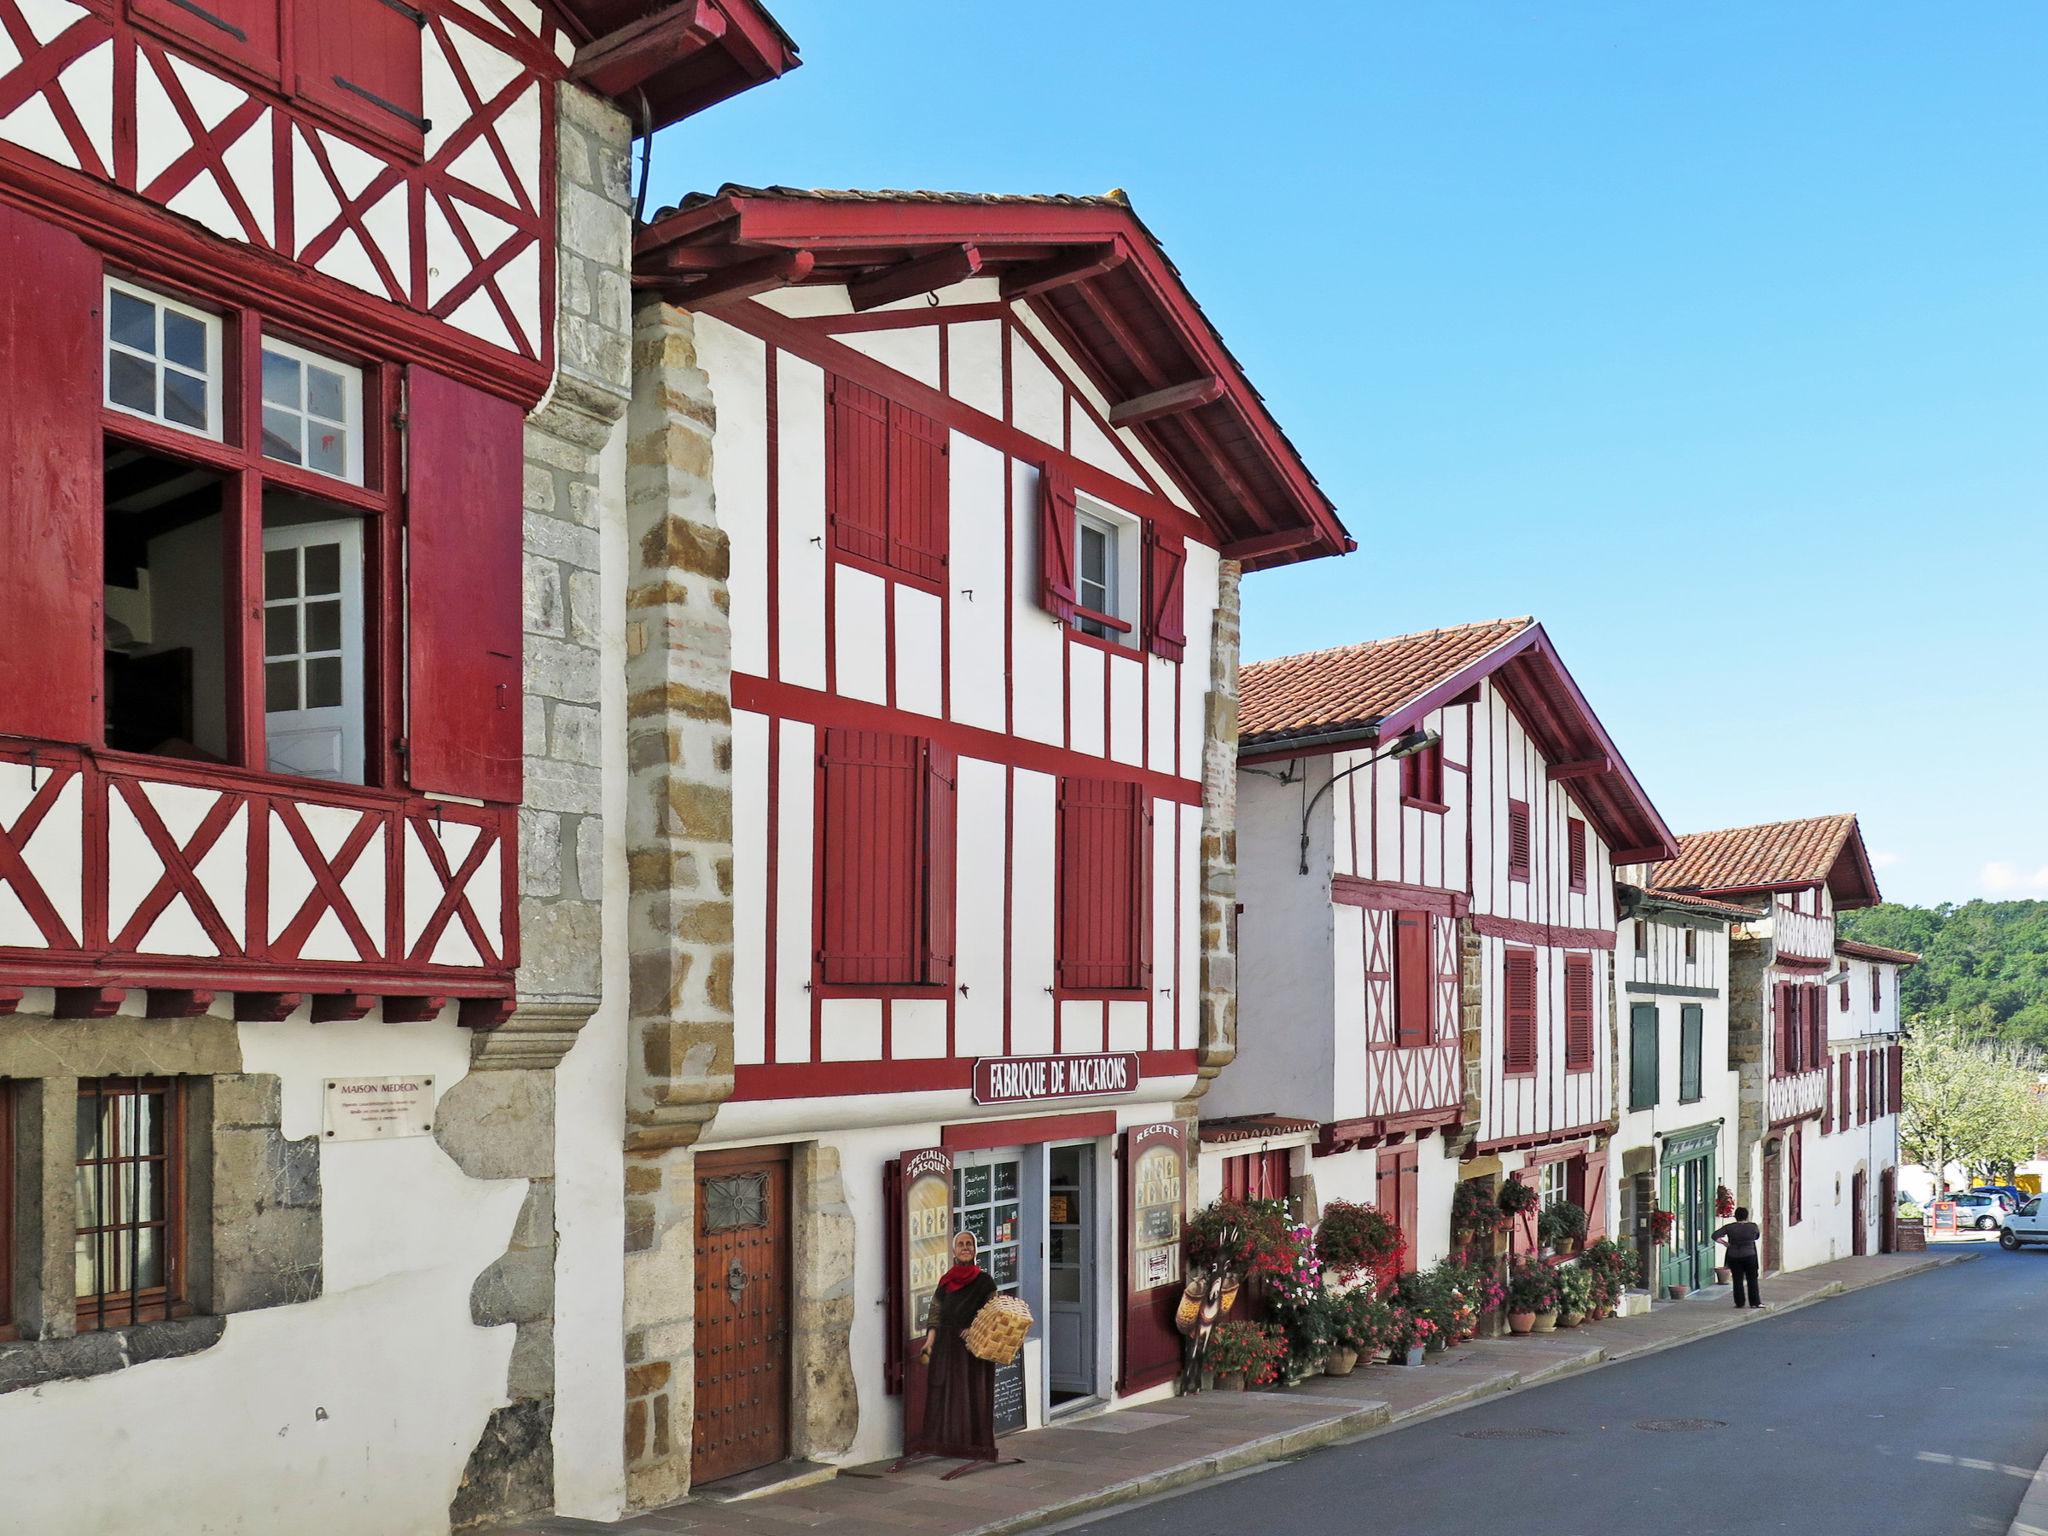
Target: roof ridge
<point>1765,826</point>
<point>1522,620</point>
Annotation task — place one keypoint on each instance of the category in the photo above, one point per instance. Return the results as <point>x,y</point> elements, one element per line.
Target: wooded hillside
<point>1985,962</point>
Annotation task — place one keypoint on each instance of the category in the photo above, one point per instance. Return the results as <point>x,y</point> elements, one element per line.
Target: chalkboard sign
<point>1010,1395</point>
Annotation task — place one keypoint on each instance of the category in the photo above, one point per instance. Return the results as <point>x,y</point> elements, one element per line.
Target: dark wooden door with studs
<point>742,1412</point>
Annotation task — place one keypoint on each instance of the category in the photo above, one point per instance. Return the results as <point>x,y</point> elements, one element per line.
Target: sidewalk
<point>1092,1463</point>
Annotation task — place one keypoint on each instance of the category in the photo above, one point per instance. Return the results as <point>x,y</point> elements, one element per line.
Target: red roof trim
<point>1264,504</point>
<point>1856,951</point>
<point>679,61</point>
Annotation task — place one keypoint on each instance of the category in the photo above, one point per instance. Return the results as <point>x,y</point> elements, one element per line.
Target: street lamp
<point>1407,744</point>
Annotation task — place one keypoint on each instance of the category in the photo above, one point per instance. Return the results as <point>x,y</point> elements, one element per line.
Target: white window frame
<point>346,719</point>
<point>1123,532</point>
<point>215,427</point>
<point>351,406</point>
<point>1553,1184</point>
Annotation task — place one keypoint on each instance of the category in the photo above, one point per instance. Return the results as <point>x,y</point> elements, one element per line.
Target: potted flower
<point>1516,1197</point>
<point>1358,1321</point>
<point>1530,1293</point>
<point>1724,1200</point>
<point>1574,1294</point>
<point>1408,1335</point>
<point>1242,1240</point>
<point>1613,1267</point>
<point>1243,1354</point>
<point>1354,1241</point>
<point>1560,1225</point>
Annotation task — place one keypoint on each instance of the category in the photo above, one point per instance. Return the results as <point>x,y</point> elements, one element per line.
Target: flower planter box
<point>1634,1304</point>
<point>1411,1356</point>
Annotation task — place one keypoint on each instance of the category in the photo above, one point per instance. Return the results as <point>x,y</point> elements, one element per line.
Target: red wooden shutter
<point>50,330</point>
<point>942,780</point>
<point>1845,995</point>
<point>1817,1017</point>
<point>1827,1098</point>
<point>1896,1078</point>
<point>1104,928</point>
<point>361,58</point>
<point>1411,978</point>
<point>1795,1159</point>
<point>1518,840</point>
<point>1522,1237</point>
<point>464,461</point>
<point>1578,1013</point>
<point>857,469</point>
<point>1575,843</point>
<point>1411,776</point>
<point>1844,1116</point>
<point>1166,561</point>
<point>244,31</point>
<point>870,919</point>
<point>1237,1178</point>
<point>1406,1175</point>
<point>1519,1012</point>
<point>1595,1202</point>
<point>1876,989</point>
<point>917,494</point>
<point>1056,544</point>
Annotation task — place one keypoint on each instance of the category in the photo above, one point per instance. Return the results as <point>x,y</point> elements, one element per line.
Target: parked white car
<point>1975,1208</point>
<point>2028,1224</point>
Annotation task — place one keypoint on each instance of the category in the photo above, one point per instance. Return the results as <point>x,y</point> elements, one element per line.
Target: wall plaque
<point>378,1108</point>
<point>1016,1079</point>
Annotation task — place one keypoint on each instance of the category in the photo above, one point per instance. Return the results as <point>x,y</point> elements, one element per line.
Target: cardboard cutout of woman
<point>959,1390</point>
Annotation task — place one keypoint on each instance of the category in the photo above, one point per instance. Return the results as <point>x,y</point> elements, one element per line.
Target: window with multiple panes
<point>886,849</point>
<point>1578,1013</point>
<point>1692,1021</point>
<point>360,60</point>
<point>1422,777</point>
<point>1692,948</point>
<point>129,1181</point>
<point>1413,983</point>
<point>163,359</point>
<point>1575,852</point>
<point>1642,1056</point>
<point>1097,556</point>
<point>1107,574</point>
<point>312,411</point>
<point>886,491</point>
<point>1518,1013</point>
<point>1103,927</point>
<point>1518,840</point>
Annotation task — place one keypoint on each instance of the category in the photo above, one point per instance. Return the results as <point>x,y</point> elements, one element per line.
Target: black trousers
<point>1745,1272</point>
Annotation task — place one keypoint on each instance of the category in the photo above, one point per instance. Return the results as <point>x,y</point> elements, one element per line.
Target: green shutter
<point>1691,1020</point>
<point>1642,1056</point>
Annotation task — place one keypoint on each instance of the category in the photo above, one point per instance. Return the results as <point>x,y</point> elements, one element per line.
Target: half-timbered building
<point>1427,831</point>
<point>284,968</point>
<point>938,507</point>
<point>1813,1031</point>
<point>1677,1091</point>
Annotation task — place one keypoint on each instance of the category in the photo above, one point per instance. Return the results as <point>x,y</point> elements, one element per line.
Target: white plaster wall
<point>1664,964</point>
<point>307,1396</point>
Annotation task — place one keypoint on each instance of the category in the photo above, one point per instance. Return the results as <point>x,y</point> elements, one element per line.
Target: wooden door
<point>1888,1212</point>
<point>742,1419</point>
<point>1859,1240</point>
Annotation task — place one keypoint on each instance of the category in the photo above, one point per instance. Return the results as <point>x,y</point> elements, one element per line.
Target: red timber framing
<point>275,883</point>
<point>1089,272</point>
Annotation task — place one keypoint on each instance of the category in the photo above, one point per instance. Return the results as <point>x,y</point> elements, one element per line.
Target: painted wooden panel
<point>323,177</point>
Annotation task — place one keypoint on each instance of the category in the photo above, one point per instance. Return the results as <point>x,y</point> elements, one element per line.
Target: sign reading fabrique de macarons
<point>1019,1079</point>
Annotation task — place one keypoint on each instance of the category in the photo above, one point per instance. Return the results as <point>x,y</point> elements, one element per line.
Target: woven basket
<point>998,1330</point>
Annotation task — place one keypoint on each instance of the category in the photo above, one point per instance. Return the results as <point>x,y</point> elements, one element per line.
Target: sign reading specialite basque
<point>1016,1079</point>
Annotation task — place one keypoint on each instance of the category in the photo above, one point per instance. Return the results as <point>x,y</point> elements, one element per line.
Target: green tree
<point>1969,1100</point>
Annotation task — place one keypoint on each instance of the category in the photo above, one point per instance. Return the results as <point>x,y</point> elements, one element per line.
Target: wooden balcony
<point>121,872</point>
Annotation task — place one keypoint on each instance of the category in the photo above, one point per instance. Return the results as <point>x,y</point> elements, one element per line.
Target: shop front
<point>1687,1180</point>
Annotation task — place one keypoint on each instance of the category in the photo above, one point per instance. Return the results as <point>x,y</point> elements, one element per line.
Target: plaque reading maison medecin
<point>377,1108</point>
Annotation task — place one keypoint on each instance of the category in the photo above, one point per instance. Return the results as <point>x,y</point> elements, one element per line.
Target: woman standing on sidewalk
<point>1741,1236</point>
<point>959,1390</point>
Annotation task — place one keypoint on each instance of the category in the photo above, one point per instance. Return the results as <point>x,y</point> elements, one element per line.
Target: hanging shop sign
<point>1020,1079</point>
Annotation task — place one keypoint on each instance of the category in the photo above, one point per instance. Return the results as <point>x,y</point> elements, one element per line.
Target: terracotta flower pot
<point>1341,1361</point>
<point>1230,1381</point>
<point>1546,1322</point>
<point>1723,1275</point>
<point>1521,1322</point>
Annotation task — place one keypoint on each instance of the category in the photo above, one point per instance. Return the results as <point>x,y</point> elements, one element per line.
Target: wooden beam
<point>172,1003</point>
<point>341,1007</point>
<point>10,999</point>
<point>1261,545</point>
<point>266,1007</point>
<point>484,1012</point>
<point>623,60</point>
<point>1169,401</point>
<point>413,1010</point>
<point>907,279</point>
<point>1581,768</point>
<point>88,1002</point>
<point>745,279</point>
<point>1057,271</point>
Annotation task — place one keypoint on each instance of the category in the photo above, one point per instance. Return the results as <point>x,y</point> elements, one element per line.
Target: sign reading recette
<point>1016,1079</point>
<point>375,1108</point>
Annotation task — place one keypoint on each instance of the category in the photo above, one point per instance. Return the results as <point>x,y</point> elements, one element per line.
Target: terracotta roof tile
<point>1254,1127</point>
<point>1353,685</point>
<point>1857,951</point>
<point>1779,853</point>
<point>1732,911</point>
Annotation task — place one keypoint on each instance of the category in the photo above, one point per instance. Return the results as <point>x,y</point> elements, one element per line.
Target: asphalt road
<point>1916,1408</point>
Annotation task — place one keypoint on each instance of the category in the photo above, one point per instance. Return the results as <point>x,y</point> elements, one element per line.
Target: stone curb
<point>1377,1418</point>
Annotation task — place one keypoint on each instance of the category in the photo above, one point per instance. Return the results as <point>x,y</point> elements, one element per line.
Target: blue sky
<point>1714,336</point>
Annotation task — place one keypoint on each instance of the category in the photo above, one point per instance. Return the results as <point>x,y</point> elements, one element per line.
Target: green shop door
<point>1688,1184</point>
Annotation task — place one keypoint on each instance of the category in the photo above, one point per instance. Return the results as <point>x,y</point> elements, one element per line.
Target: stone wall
<point>1217,1047</point>
<point>499,1122</point>
<point>1748,959</point>
<point>1457,1140</point>
<point>679,869</point>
